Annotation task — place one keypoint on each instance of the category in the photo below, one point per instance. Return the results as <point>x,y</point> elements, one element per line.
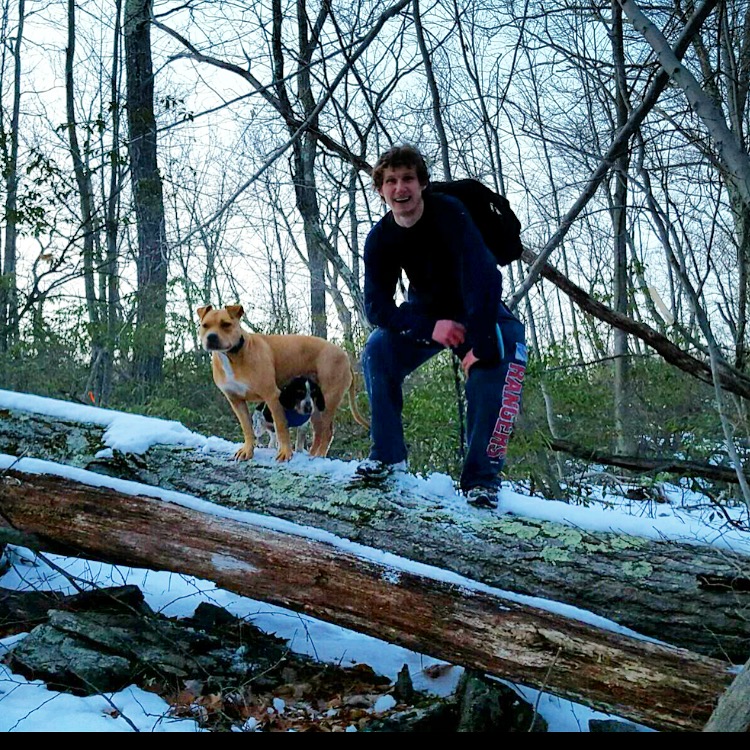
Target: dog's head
<point>220,329</point>
<point>301,395</point>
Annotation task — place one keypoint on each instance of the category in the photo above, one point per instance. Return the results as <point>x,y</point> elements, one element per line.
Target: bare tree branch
<point>620,141</point>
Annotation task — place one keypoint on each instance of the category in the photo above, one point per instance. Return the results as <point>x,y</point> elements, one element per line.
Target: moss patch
<point>638,569</point>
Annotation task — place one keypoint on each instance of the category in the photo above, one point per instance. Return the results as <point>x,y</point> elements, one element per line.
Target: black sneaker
<point>482,497</point>
<point>373,470</point>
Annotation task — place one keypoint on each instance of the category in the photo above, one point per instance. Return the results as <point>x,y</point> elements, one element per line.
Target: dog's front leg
<point>285,451</point>
<point>243,415</point>
<point>299,443</point>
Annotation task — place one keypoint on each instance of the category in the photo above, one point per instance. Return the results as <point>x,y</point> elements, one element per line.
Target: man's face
<point>403,194</point>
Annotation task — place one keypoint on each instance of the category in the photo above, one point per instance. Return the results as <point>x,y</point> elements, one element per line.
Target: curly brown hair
<point>400,156</point>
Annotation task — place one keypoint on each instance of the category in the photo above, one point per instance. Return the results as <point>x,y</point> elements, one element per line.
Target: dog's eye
<point>226,325</point>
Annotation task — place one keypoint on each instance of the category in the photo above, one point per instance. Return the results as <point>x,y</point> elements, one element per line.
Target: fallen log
<point>731,379</point>
<point>657,685</point>
<point>647,464</point>
<point>691,596</point>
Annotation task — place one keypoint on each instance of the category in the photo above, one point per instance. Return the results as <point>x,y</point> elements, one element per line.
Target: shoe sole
<point>483,501</point>
<point>370,478</point>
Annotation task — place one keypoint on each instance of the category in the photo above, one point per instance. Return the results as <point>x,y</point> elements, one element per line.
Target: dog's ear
<point>235,311</point>
<point>203,310</point>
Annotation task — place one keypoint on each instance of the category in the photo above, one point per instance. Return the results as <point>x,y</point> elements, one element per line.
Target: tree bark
<point>618,211</point>
<point>150,329</point>
<point>733,711</point>
<point>9,317</point>
<point>101,347</point>
<point>112,223</point>
<point>653,684</point>
<point>691,596</point>
<point>437,109</point>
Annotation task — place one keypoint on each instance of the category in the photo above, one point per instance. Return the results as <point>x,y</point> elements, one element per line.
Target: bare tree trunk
<point>741,211</point>
<point>112,227</point>
<point>735,73</point>
<point>549,410</point>
<point>437,114</point>
<point>100,354</point>
<point>305,151</point>
<point>354,232</point>
<point>622,396</point>
<point>150,329</point>
<point>342,310</point>
<point>9,323</point>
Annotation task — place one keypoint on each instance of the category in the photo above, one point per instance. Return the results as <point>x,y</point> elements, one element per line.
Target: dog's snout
<point>213,341</point>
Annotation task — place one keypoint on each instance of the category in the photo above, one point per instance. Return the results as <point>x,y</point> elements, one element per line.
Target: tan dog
<point>253,367</point>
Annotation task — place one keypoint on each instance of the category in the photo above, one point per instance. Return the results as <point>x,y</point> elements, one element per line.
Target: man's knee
<point>378,354</point>
<point>375,349</point>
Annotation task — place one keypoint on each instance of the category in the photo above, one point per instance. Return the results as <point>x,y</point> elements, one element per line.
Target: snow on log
<point>661,686</point>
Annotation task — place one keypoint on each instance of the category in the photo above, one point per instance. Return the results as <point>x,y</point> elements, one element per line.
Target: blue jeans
<point>493,394</point>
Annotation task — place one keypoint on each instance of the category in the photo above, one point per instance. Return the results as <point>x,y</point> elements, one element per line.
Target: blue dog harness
<point>295,419</point>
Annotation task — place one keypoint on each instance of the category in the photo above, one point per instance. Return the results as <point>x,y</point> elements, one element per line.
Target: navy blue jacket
<point>452,275</point>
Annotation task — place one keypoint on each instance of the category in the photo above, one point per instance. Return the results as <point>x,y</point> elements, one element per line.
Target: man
<point>454,301</point>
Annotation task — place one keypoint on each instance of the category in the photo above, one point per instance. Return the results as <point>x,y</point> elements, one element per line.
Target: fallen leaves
<point>319,698</point>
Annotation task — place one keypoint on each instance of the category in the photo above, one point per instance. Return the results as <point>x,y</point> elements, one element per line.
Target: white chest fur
<point>231,384</point>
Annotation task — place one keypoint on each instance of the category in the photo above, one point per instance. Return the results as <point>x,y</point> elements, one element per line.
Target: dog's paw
<point>245,453</point>
<point>285,453</point>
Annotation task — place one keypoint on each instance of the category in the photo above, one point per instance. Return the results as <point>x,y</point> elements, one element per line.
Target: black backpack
<point>495,220</point>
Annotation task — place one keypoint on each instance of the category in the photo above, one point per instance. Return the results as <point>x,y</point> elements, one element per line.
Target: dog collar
<point>236,348</point>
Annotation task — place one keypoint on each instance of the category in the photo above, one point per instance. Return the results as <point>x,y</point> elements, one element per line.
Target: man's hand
<point>448,333</point>
<point>468,361</point>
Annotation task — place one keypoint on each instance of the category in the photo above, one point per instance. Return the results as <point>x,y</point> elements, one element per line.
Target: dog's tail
<point>353,403</point>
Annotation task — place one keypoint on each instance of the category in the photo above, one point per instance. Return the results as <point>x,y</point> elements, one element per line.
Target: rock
<point>115,639</point>
<point>125,599</point>
<point>214,663</point>
<point>66,663</point>
<point>440,716</point>
<point>23,610</point>
<point>404,688</point>
<point>486,705</point>
<point>93,651</point>
<point>209,618</point>
<point>20,611</point>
